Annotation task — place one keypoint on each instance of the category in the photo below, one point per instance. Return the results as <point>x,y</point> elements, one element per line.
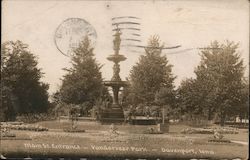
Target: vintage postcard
<point>127,80</point>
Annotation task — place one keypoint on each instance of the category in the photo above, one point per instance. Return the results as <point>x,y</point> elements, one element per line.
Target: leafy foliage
<point>218,84</point>
<point>83,81</point>
<point>152,75</point>
<point>22,91</point>
<point>243,109</point>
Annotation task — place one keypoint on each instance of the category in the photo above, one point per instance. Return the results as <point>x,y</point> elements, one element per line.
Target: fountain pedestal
<point>114,114</point>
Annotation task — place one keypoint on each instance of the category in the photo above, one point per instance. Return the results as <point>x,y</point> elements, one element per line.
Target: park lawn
<point>96,141</point>
<point>92,125</point>
<point>95,126</point>
<point>144,145</point>
<point>241,136</point>
<point>175,129</point>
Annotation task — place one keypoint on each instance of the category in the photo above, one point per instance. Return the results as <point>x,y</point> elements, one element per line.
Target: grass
<point>130,143</point>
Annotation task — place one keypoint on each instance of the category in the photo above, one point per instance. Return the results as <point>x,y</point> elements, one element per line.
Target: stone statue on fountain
<point>117,41</point>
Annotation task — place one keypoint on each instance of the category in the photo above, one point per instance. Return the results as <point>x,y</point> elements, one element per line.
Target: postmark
<point>71,32</point>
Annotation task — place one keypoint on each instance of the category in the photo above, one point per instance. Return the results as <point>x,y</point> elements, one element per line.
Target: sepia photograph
<point>125,80</point>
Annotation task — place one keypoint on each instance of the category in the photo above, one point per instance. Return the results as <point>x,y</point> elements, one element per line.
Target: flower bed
<point>222,130</point>
<point>12,123</point>
<point>227,130</point>
<point>8,135</point>
<point>73,130</point>
<point>213,140</point>
<point>197,131</point>
<point>28,127</point>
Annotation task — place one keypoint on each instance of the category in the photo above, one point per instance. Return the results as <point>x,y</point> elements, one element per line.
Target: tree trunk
<point>209,114</point>
<point>222,119</point>
<point>163,115</point>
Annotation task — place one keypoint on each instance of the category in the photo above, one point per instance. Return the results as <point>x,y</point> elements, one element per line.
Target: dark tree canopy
<point>22,90</point>
<point>191,97</point>
<point>219,81</point>
<point>151,74</point>
<point>83,81</point>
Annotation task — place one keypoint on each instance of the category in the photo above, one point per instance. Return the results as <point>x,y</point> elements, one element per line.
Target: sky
<point>189,23</point>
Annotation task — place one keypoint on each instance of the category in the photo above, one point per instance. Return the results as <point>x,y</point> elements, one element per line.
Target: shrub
<point>152,130</point>
<point>32,117</point>
<point>196,121</point>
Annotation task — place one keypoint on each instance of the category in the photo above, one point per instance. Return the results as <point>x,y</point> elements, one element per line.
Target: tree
<point>219,81</point>
<point>190,99</point>
<point>83,81</point>
<point>22,90</point>
<point>243,109</point>
<point>152,74</point>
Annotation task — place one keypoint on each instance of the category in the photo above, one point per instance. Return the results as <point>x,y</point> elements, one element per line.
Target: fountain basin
<point>115,83</point>
<point>116,58</point>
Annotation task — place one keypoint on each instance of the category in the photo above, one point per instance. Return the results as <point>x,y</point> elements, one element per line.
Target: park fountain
<point>115,113</point>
